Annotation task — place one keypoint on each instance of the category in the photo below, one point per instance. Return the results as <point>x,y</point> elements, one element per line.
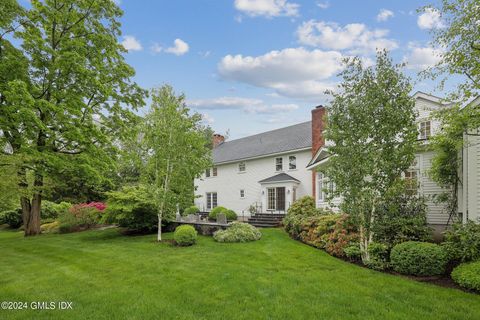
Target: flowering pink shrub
<point>100,206</point>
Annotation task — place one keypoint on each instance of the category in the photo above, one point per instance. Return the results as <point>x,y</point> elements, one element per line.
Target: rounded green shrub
<point>12,217</point>
<point>238,232</point>
<point>467,275</point>
<point>190,210</point>
<point>418,258</point>
<point>230,214</point>
<point>462,242</point>
<point>185,235</point>
<point>353,252</point>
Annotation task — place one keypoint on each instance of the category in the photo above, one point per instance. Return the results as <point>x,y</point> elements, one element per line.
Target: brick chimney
<point>318,125</point>
<point>217,139</point>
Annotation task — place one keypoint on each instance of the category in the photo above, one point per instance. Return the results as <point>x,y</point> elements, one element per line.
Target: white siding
<point>437,213</point>
<point>471,178</point>
<point>229,182</point>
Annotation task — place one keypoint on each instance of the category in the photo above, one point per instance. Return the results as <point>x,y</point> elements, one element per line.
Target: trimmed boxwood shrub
<point>238,232</point>
<point>190,210</point>
<point>418,258</point>
<point>230,214</point>
<point>467,275</point>
<point>185,235</point>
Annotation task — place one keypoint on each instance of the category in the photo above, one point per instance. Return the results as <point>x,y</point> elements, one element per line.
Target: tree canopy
<point>66,93</point>
<point>372,133</point>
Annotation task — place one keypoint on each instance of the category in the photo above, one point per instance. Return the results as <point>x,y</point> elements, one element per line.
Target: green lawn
<point>109,276</point>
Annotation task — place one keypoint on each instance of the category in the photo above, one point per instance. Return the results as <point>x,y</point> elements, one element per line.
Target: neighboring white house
<point>469,191</point>
<point>272,169</point>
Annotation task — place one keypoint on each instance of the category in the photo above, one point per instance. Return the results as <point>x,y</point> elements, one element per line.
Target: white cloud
<point>323,5</point>
<point>179,48</point>
<point>247,105</point>
<point>422,58</point>
<point>131,43</point>
<point>291,72</point>
<point>267,8</point>
<point>354,37</point>
<point>384,15</point>
<point>430,19</point>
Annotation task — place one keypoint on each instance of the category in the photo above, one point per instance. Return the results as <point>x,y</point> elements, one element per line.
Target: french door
<point>276,199</point>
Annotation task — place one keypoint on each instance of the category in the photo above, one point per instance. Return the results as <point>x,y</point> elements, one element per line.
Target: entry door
<point>280,198</point>
<point>276,199</point>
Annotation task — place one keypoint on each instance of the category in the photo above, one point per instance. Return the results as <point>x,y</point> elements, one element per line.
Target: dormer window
<point>425,130</point>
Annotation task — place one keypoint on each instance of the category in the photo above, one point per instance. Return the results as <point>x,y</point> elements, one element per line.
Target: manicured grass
<point>109,276</point>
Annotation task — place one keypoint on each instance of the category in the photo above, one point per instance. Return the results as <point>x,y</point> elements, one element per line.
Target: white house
<point>272,169</point>
<point>266,171</point>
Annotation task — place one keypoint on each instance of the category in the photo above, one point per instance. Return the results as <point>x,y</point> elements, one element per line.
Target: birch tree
<point>371,123</point>
<point>178,151</point>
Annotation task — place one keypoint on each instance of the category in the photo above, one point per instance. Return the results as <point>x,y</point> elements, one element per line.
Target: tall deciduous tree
<point>460,41</point>
<point>65,94</point>
<point>371,124</point>
<point>178,148</point>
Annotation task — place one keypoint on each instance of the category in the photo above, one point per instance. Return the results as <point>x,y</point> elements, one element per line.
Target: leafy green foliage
<point>230,214</point>
<point>315,230</point>
<point>185,235</point>
<point>344,234</point>
<point>353,252</point>
<point>467,275</point>
<point>78,218</point>
<point>401,217</point>
<point>178,148</point>
<point>460,45</point>
<point>379,256</point>
<point>64,92</point>
<point>418,258</point>
<point>190,210</point>
<point>462,242</point>
<point>238,232</point>
<point>300,209</point>
<point>51,227</point>
<point>12,217</point>
<point>371,124</point>
<point>51,210</point>
<point>132,208</point>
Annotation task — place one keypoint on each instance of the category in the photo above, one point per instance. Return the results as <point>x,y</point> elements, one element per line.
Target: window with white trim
<point>279,164</point>
<point>411,181</point>
<point>320,182</point>
<point>292,162</point>
<point>214,171</point>
<point>425,130</point>
<point>242,193</point>
<point>207,173</point>
<point>211,200</point>
<point>241,167</point>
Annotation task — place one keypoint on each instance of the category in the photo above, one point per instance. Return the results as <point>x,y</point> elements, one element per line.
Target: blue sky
<point>254,65</point>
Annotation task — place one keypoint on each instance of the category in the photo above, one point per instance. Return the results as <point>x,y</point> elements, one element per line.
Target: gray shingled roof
<point>279,178</point>
<point>294,137</point>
